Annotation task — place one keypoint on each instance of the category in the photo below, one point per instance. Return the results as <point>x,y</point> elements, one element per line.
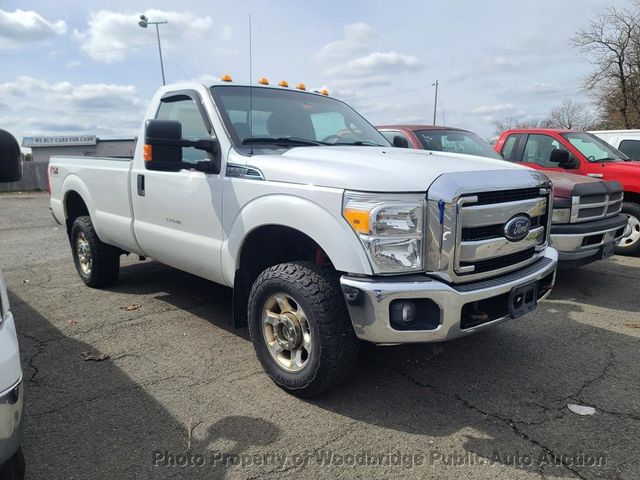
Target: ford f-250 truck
<point>12,466</point>
<point>587,223</point>
<point>326,233</point>
<point>581,153</point>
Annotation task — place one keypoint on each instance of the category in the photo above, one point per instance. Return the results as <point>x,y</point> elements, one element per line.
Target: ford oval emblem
<point>517,228</point>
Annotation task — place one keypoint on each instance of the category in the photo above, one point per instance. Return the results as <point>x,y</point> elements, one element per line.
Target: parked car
<point>12,465</point>
<point>327,234</point>
<point>581,153</point>
<point>579,233</point>
<point>627,141</point>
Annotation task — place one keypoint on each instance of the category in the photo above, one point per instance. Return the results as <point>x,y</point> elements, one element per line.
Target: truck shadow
<point>207,300</point>
<point>91,420</point>
<point>507,389</point>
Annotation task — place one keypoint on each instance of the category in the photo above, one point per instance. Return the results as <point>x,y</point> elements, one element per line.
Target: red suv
<point>582,153</point>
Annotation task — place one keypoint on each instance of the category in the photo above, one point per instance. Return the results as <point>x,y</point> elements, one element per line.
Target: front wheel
<point>630,244</point>
<point>300,328</point>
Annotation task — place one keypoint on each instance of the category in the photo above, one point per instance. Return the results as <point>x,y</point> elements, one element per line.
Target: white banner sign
<point>60,141</point>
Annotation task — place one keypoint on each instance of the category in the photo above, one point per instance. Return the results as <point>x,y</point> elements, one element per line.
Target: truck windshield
<point>594,149</point>
<point>289,118</point>
<point>456,141</point>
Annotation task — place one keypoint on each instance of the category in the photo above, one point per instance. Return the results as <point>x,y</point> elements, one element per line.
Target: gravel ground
<point>183,396</point>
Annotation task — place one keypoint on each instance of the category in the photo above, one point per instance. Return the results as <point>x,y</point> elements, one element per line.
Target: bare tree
<point>510,123</point>
<point>611,43</point>
<point>571,115</point>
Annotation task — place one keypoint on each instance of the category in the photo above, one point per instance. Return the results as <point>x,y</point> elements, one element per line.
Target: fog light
<point>403,312</point>
<point>414,314</point>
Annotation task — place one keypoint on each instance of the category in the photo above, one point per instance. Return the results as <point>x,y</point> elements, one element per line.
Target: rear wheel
<point>97,263</point>
<point>300,328</point>
<point>630,244</point>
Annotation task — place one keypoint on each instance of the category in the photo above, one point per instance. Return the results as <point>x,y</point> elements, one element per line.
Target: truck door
<point>178,215</point>
<point>534,150</point>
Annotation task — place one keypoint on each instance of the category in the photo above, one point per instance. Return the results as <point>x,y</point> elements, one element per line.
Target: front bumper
<point>369,301</point>
<point>11,421</point>
<point>583,242</point>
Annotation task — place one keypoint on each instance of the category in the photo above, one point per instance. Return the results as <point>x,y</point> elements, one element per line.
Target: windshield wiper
<point>285,141</point>
<point>360,143</point>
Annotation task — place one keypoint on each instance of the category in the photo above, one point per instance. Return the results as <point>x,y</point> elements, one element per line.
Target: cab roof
<point>418,127</point>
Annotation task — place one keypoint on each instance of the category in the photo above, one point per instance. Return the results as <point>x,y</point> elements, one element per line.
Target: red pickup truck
<point>584,154</point>
<point>586,222</point>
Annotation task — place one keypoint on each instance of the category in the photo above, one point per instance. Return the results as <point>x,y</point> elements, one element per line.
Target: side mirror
<point>563,159</point>
<point>163,144</point>
<point>400,142</point>
<point>10,158</point>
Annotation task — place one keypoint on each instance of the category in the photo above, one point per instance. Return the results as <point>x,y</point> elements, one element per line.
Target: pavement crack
<point>40,347</point>
<point>512,424</point>
<point>577,395</point>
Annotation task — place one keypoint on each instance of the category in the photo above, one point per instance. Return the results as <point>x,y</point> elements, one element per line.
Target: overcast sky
<point>72,67</point>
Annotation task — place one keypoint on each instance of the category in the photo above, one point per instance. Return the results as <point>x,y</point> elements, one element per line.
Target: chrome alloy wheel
<point>634,236</point>
<point>84,254</point>
<point>286,332</point>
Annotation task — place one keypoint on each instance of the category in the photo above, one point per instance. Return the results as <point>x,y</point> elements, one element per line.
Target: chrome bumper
<point>11,421</point>
<point>369,299</point>
<point>572,246</point>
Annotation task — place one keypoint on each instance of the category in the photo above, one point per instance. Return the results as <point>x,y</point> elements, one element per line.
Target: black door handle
<point>141,185</point>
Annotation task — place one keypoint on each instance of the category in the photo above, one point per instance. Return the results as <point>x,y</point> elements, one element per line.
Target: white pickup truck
<point>327,234</point>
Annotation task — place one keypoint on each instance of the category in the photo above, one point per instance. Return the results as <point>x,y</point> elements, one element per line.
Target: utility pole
<point>144,22</point>
<point>435,102</point>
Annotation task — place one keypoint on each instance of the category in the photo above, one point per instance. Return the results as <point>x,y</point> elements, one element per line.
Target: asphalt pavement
<point>148,379</point>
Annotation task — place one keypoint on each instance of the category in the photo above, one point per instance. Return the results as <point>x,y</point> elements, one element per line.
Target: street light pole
<point>435,102</point>
<point>144,23</point>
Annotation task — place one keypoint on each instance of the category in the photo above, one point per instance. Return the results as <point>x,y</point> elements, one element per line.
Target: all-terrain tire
<point>630,244</point>
<point>334,345</point>
<point>97,263</point>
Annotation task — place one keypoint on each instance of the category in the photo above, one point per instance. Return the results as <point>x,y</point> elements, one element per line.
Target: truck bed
<point>104,184</point>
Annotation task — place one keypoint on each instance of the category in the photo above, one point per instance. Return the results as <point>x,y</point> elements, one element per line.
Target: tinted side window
<point>631,148</point>
<point>538,150</point>
<point>184,110</point>
<point>508,147</point>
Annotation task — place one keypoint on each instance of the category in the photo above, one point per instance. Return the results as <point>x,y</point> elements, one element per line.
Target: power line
<point>178,65</point>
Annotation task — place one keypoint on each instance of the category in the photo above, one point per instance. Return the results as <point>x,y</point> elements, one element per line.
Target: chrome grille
<point>483,247</point>
<point>593,207</point>
<point>466,215</point>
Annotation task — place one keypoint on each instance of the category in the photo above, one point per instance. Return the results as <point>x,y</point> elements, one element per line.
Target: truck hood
<point>563,183</point>
<point>385,169</point>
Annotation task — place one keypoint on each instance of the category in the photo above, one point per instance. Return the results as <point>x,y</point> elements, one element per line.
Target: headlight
<point>389,227</point>
<point>561,215</point>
